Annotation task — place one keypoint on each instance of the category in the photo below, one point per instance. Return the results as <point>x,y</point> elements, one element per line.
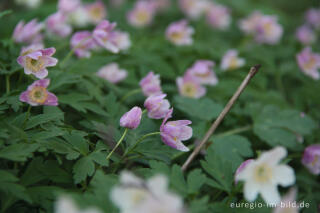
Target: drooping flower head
<point>37,94</point>
<point>231,61</point>
<point>313,17</point>
<point>264,174</point>
<point>57,25</point>
<point>65,204</point>
<point>202,72</point>
<point>179,33</point>
<point>305,35</point>
<point>194,8</point>
<point>157,106</point>
<point>35,61</point>
<point>218,16</point>
<point>311,158</point>
<point>135,195</point>
<point>67,6</point>
<point>243,165</point>
<point>174,132</point>
<point>132,118</point>
<point>190,87</point>
<point>82,43</point>
<point>150,84</point>
<point>103,35</point>
<point>264,28</point>
<point>288,203</point>
<point>112,73</point>
<point>96,11</point>
<point>309,63</point>
<point>29,33</point>
<point>142,14</point>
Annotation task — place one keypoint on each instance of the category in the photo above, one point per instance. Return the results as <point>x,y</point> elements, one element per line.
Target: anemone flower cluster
<point>306,33</point>
<point>103,36</point>
<point>172,132</point>
<point>309,63</point>
<point>201,73</point>
<point>179,33</point>
<point>264,174</point>
<point>264,28</point>
<point>35,60</point>
<point>135,195</point>
<point>193,9</point>
<point>218,16</point>
<point>144,11</point>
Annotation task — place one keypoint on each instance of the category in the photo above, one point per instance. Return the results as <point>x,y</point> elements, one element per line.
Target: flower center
<point>310,64</point>
<point>176,36</point>
<point>233,63</point>
<point>38,95</point>
<point>34,65</point>
<point>96,13</point>
<point>262,173</point>
<point>189,89</point>
<point>138,195</point>
<point>142,16</point>
<point>315,160</point>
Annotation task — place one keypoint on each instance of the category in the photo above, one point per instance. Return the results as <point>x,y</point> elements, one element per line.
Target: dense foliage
<point>47,151</point>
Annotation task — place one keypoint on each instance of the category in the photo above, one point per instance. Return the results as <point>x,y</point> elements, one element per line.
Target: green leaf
<point>195,180</point>
<point>44,118</point>
<point>177,180</point>
<point>4,13</point>
<point>77,140</point>
<point>233,148</point>
<point>204,108</point>
<point>18,152</point>
<point>82,168</point>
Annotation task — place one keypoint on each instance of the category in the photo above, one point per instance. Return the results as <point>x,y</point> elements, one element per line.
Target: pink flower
<point>264,28</point>
<point>288,203</point>
<point>104,36</point>
<point>131,119</point>
<point>57,25</point>
<point>305,35</point>
<point>311,158</point>
<point>218,16</point>
<point>243,165</point>
<point>28,33</point>
<point>190,87</point>
<point>96,11</point>
<point>142,14</point>
<point>82,42</point>
<point>194,8</point>
<point>313,17</point>
<point>121,39</point>
<point>157,106</point>
<point>150,84</point>
<point>231,61</point>
<point>37,94</point>
<point>202,72</point>
<point>112,73</point>
<point>309,63</point>
<point>35,60</point>
<point>173,132</point>
<point>68,5</point>
<point>179,33</point>
<point>161,5</point>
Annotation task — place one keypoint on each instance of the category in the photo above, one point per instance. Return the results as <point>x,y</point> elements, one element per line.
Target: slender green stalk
<point>119,142</point>
<point>8,84</point>
<point>132,92</point>
<point>234,131</point>
<point>139,141</point>
<point>72,51</point>
<point>27,117</point>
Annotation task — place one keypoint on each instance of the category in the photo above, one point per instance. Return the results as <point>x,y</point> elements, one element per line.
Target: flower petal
<point>284,175</point>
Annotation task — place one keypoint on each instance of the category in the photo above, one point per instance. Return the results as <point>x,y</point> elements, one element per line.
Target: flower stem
<point>234,131</point>
<point>72,51</point>
<point>27,117</point>
<point>8,84</point>
<point>132,92</point>
<point>118,143</point>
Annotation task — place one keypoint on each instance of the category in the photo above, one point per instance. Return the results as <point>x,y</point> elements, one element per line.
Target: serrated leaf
<point>82,168</point>
<point>18,152</point>
<point>195,180</point>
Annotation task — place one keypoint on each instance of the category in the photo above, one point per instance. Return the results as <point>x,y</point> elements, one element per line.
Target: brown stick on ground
<point>224,112</point>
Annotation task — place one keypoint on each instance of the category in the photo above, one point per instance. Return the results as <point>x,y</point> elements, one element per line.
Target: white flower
<point>29,3</point>
<point>66,205</point>
<point>134,195</point>
<point>265,174</point>
<point>231,61</point>
<point>288,203</point>
<point>79,17</point>
<point>112,73</point>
